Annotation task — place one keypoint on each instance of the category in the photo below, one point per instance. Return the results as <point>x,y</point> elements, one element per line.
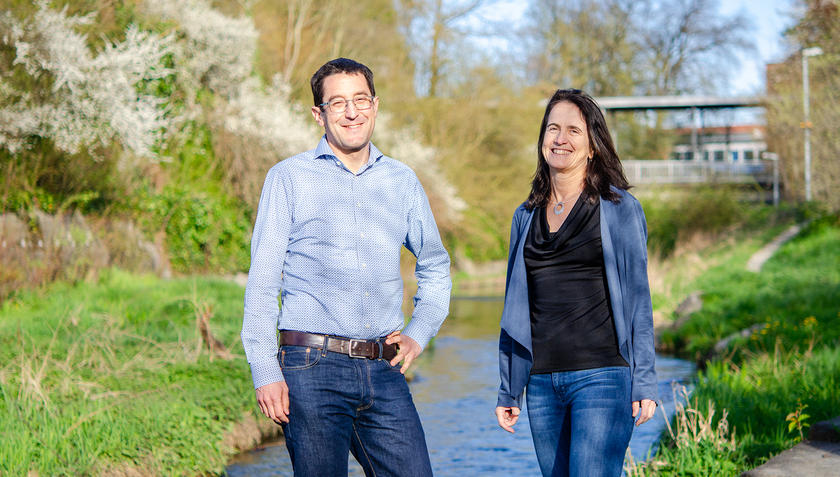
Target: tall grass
<point>697,444</point>
<point>789,362</point>
<point>115,378</point>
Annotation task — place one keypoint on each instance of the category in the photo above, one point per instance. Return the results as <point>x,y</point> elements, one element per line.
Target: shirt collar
<point>325,151</point>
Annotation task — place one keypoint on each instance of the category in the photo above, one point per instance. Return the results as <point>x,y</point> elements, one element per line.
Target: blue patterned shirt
<point>328,241</point>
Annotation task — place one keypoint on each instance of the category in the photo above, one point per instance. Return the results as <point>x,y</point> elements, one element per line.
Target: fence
<point>684,172</point>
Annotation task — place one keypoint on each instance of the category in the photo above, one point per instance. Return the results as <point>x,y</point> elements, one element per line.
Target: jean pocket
<point>298,357</point>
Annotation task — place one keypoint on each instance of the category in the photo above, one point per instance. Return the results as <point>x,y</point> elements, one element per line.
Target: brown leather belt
<point>370,349</point>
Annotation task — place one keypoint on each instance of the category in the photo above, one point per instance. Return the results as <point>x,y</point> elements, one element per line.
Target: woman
<point>577,325</point>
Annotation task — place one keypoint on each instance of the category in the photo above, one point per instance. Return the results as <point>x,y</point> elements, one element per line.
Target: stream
<point>454,385</point>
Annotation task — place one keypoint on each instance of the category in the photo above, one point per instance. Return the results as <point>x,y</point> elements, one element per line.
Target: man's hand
<point>647,406</point>
<point>408,349</point>
<point>274,401</point>
<point>507,417</point>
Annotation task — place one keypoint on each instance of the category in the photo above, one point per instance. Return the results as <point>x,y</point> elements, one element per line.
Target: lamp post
<point>806,124</point>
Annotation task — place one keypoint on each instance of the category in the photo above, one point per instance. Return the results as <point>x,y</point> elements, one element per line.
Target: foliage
<point>801,281</point>
<point>79,101</point>
<point>797,419</point>
<point>789,362</point>
<point>113,377</point>
<point>819,26</point>
<point>675,215</point>
<point>699,444</point>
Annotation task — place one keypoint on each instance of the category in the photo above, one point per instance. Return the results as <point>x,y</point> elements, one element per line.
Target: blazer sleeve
<point>640,314</point>
<point>506,343</point>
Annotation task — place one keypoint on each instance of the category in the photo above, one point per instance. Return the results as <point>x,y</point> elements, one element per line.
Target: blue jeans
<point>339,405</point>
<point>581,421</point>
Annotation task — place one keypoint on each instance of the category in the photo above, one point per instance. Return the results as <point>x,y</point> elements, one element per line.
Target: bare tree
<point>611,47</point>
<point>431,27</point>
<point>687,45</point>
<point>586,44</point>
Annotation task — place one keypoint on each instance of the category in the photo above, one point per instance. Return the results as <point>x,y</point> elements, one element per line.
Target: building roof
<point>631,103</point>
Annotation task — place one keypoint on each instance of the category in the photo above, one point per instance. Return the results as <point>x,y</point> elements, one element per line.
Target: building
<point>732,144</point>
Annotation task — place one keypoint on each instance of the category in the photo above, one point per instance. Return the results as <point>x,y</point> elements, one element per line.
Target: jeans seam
<point>370,386</point>
<point>364,451</point>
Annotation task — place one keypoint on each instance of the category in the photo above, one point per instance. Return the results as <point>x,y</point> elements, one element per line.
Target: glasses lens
<point>338,105</point>
<point>362,102</point>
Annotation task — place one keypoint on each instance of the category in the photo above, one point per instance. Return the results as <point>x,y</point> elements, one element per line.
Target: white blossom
<point>270,117</point>
<point>218,50</point>
<point>94,99</point>
<point>404,145</point>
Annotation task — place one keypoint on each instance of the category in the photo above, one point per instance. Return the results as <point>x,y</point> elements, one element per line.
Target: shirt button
<point>367,326</point>
<point>362,235</point>
<point>337,163</point>
<point>367,294</point>
<point>364,265</point>
<point>358,204</point>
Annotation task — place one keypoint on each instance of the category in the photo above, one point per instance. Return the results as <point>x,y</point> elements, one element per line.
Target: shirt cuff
<point>419,332</point>
<point>266,371</point>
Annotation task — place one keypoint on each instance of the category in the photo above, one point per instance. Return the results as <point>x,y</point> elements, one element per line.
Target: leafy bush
<point>674,215</point>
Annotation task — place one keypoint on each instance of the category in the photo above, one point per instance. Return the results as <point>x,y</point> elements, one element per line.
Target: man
<point>330,226</point>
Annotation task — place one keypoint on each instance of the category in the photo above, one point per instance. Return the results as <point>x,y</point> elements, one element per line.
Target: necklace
<point>562,205</point>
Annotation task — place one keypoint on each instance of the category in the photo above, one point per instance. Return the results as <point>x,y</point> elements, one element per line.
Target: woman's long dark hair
<point>602,171</point>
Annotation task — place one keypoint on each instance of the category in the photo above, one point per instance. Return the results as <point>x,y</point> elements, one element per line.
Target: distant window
<point>718,156</point>
<point>749,155</point>
<point>705,155</point>
<point>689,156</point>
<point>676,156</point>
<point>734,155</point>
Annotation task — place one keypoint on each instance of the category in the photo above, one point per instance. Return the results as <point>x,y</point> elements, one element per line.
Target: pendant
<point>562,207</point>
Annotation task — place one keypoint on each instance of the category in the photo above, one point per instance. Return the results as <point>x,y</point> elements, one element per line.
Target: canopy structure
<point>640,103</point>
<point>696,104</point>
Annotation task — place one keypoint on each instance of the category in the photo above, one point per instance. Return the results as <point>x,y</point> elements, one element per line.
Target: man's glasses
<point>340,105</point>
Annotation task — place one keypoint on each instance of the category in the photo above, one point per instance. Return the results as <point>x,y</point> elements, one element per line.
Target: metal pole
<point>807,127</point>
<point>695,150</point>
<point>775,158</point>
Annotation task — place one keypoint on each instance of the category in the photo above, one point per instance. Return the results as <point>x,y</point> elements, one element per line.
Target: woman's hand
<point>507,417</point>
<point>647,408</point>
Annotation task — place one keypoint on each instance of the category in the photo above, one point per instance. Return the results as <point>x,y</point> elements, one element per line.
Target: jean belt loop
<point>381,348</point>
<point>324,347</point>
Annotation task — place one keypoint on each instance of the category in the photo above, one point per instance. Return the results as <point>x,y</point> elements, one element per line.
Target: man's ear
<point>318,115</point>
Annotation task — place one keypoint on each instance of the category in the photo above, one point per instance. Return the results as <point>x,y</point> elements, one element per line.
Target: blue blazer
<point>624,241</point>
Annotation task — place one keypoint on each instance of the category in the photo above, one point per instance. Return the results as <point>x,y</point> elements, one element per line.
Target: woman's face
<point>566,142</point>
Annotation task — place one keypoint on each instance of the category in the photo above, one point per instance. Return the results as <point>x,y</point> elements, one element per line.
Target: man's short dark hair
<point>334,67</point>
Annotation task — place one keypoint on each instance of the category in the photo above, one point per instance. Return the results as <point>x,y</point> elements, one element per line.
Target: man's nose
<point>351,112</point>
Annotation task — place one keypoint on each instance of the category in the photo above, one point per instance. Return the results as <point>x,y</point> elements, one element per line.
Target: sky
<point>770,18</point>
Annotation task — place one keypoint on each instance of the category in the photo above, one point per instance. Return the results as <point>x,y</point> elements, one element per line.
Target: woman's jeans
<point>339,405</point>
<point>581,421</point>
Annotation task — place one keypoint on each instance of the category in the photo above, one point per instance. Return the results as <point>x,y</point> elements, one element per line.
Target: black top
<point>572,326</point>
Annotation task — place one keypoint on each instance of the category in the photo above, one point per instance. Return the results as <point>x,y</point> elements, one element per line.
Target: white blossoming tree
<point>91,100</point>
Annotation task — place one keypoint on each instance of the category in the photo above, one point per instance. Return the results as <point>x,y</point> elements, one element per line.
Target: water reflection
<point>454,387</point>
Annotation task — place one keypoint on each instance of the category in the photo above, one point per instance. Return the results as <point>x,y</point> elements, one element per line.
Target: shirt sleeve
<point>268,252</point>
<point>431,303</point>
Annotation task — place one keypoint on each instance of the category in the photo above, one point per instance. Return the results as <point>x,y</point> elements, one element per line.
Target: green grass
<point>800,281</point>
<point>790,361</point>
<point>112,375</point>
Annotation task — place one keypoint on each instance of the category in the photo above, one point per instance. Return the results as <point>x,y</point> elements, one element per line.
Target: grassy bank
<point>114,378</point>
<point>760,394</point>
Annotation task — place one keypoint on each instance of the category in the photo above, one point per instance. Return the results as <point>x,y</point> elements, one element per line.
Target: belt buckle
<point>350,351</point>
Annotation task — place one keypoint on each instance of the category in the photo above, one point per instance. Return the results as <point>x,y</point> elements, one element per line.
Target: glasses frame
<point>346,102</point>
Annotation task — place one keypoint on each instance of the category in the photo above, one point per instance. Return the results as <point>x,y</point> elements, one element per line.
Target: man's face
<point>348,132</point>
